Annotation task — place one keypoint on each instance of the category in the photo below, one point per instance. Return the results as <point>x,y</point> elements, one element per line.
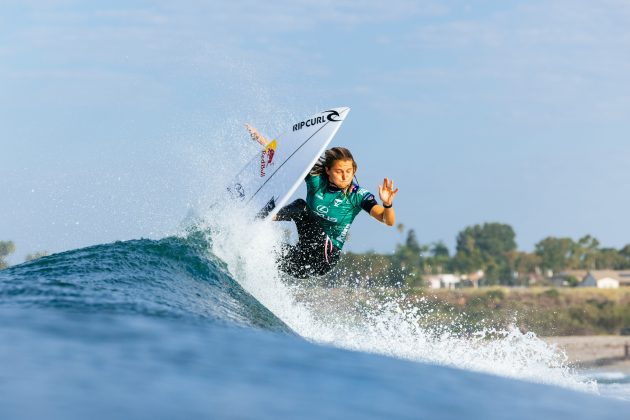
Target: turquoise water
<point>162,329</point>
<point>173,278</point>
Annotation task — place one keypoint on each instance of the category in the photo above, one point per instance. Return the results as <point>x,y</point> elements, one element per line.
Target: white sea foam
<point>363,320</point>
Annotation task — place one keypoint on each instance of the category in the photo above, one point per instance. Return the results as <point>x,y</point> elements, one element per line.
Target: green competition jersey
<point>334,207</point>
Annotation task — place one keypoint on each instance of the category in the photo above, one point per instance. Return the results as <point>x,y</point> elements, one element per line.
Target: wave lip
<point>172,277</point>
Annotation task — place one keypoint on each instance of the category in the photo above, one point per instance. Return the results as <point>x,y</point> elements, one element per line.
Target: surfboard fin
<point>256,136</point>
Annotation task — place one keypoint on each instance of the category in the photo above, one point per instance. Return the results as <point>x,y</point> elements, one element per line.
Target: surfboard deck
<point>269,179</point>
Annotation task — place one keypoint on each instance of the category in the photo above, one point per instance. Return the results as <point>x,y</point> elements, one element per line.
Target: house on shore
<point>603,279</point>
<point>451,281</point>
<point>568,278</point>
<point>442,281</point>
<point>473,278</point>
<point>606,279</point>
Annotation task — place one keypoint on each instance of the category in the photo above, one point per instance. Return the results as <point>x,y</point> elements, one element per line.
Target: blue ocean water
<point>166,329</point>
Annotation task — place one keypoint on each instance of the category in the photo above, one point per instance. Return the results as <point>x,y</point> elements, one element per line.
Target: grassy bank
<point>545,311</point>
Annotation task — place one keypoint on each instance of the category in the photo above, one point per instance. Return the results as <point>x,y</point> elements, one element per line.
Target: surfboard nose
<point>271,177</point>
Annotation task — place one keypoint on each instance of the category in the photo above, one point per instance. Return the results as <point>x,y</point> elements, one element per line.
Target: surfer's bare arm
<point>256,136</point>
<point>385,213</point>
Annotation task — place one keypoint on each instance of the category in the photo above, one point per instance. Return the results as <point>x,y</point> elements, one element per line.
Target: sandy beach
<point>604,352</point>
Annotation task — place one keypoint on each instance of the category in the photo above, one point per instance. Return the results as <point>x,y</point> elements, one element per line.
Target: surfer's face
<point>341,173</point>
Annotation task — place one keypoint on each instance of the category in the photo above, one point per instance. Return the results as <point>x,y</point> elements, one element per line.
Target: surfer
<point>323,220</point>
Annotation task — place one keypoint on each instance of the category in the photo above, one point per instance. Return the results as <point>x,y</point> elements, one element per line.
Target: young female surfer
<point>332,202</point>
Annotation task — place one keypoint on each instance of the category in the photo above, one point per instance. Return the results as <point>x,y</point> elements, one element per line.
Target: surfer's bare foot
<point>256,136</point>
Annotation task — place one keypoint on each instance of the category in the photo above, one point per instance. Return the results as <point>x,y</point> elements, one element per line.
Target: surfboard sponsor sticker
<point>271,204</point>
<point>344,233</point>
<point>322,211</point>
<point>266,157</point>
<point>237,191</point>
<point>330,115</point>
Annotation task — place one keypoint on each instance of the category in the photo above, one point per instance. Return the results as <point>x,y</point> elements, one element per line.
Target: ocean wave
<point>175,277</point>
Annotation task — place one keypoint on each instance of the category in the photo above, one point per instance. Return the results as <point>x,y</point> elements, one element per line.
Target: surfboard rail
<point>270,178</point>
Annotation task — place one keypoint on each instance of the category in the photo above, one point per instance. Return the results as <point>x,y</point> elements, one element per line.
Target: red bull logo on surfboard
<point>266,157</point>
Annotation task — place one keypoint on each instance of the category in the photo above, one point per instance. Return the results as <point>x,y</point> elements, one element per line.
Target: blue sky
<point>116,118</point>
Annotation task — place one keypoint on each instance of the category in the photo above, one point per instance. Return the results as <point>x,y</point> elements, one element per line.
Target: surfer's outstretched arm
<point>256,136</point>
<point>385,213</point>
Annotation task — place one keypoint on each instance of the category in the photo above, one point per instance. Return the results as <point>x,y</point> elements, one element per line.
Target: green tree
<point>485,247</point>
<point>572,281</point>
<point>439,250</point>
<point>412,242</point>
<point>625,254</point>
<point>555,253</point>
<point>468,257</point>
<point>439,260</point>
<point>522,264</point>
<point>408,260</point>
<point>609,258</point>
<point>584,253</point>
<point>6,248</point>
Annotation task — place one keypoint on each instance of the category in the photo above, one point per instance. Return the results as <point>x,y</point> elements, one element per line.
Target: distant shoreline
<point>605,352</point>
<point>547,312</point>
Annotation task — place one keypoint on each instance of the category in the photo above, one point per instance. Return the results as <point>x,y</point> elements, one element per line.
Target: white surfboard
<point>267,182</point>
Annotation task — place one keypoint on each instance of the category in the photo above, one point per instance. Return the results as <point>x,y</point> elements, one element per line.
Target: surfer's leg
<point>293,259</point>
<point>293,262</point>
<point>294,211</point>
<point>310,232</point>
<point>317,254</point>
<point>303,263</point>
<point>320,255</point>
<point>325,260</point>
<point>314,254</point>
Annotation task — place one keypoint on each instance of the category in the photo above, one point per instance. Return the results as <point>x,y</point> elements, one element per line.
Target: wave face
<point>159,329</point>
<point>169,278</point>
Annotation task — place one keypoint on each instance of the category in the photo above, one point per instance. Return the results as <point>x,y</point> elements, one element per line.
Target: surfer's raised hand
<point>385,213</point>
<point>256,136</point>
<point>386,192</point>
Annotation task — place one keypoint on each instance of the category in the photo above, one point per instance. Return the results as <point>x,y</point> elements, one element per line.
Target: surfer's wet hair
<point>330,157</point>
